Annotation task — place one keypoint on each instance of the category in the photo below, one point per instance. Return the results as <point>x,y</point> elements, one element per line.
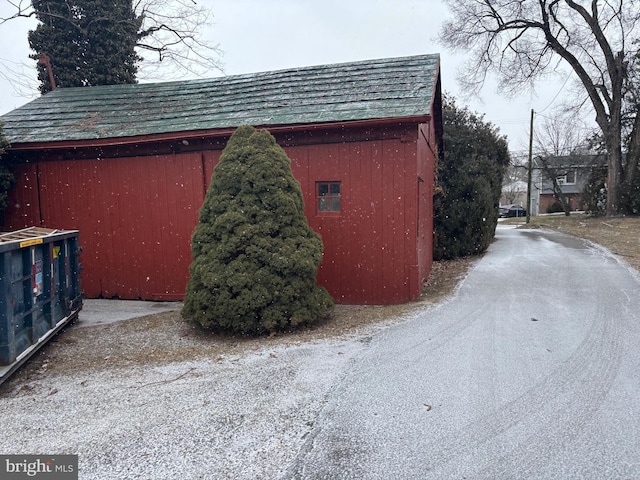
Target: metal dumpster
<point>39,291</point>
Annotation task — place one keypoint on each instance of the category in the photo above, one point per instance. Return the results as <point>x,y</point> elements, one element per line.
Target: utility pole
<point>530,169</point>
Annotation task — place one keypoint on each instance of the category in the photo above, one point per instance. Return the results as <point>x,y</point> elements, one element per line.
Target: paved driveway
<point>532,371</point>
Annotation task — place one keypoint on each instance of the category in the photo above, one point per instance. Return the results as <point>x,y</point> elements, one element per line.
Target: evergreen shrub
<point>470,183</point>
<point>594,195</point>
<point>255,257</point>
<point>555,208</point>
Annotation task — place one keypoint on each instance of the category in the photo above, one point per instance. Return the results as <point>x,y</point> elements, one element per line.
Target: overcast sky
<point>262,35</point>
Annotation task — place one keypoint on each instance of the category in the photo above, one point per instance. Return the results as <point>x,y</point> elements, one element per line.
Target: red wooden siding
<point>135,217</point>
<point>365,244</point>
<point>24,205</point>
<point>136,214</point>
<point>427,158</point>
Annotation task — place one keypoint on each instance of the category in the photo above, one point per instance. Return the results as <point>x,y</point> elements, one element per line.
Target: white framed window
<point>568,178</point>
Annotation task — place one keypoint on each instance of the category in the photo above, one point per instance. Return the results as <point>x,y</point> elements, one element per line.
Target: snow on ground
<point>236,417</point>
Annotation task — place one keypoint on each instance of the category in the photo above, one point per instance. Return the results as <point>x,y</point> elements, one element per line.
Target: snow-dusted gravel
<point>240,417</point>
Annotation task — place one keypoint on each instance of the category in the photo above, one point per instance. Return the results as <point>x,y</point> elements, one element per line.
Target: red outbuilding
<point>128,166</point>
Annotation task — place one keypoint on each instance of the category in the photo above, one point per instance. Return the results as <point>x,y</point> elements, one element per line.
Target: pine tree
<point>255,257</point>
<point>470,176</point>
<point>88,42</point>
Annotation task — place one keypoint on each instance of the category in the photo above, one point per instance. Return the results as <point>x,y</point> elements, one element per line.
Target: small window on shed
<point>328,194</point>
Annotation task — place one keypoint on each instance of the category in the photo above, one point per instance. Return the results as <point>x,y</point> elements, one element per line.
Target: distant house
<point>514,192</point>
<point>514,186</point>
<point>129,165</point>
<point>572,173</point>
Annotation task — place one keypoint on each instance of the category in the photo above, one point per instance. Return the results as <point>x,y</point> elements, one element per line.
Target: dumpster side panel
<point>65,277</point>
<point>7,344</point>
<point>20,319</point>
<point>40,292</point>
<point>16,331</point>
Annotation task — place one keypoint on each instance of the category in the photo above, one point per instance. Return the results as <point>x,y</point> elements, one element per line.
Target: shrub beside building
<point>255,257</point>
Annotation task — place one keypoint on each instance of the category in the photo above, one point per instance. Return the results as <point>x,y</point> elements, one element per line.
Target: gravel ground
<point>238,416</point>
<point>156,398</point>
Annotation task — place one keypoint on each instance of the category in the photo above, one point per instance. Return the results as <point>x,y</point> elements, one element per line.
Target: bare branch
<point>172,30</point>
<point>521,40</point>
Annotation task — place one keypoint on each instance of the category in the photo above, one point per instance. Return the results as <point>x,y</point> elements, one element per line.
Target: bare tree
<point>170,35</point>
<point>559,142</point>
<point>551,172</point>
<point>523,40</point>
<point>514,183</point>
<point>559,135</point>
<point>172,32</point>
<point>17,74</point>
<point>510,189</point>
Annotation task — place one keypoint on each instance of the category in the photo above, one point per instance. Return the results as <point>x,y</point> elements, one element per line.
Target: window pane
<point>328,196</point>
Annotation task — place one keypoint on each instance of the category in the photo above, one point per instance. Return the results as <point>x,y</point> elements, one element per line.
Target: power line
<point>556,95</point>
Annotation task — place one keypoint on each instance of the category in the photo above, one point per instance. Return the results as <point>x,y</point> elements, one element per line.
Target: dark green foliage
<point>594,195</point>
<point>89,42</point>
<point>7,180</point>
<point>630,193</point>
<point>470,176</point>
<point>255,258</point>
<point>555,208</point>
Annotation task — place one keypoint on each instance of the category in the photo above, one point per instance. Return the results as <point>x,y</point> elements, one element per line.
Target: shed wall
<point>136,214</point>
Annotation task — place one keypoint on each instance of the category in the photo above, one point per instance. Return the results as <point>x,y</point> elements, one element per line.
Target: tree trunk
<point>633,153</point>
<point>559,194</point>
<point>615,175</point>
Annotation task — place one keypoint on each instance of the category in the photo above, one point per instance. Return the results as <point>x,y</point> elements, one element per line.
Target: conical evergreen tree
<point>89,42</point>
<point>255,257</point>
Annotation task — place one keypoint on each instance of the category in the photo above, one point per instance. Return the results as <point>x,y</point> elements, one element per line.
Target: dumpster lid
<point>27,234</point>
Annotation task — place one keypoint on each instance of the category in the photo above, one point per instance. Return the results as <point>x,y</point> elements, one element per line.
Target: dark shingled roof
<point>374,89</point>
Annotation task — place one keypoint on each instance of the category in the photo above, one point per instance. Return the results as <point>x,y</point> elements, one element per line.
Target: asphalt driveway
<point>530,372</point>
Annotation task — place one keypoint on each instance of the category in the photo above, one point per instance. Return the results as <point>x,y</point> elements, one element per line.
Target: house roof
<point>579,160</point>
<point>581,164</point>
<point>365,90</point>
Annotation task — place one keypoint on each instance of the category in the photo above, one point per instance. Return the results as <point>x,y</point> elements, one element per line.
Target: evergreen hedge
<point>470,183</point>
<point>594,194</point>
<point>255,257</point>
